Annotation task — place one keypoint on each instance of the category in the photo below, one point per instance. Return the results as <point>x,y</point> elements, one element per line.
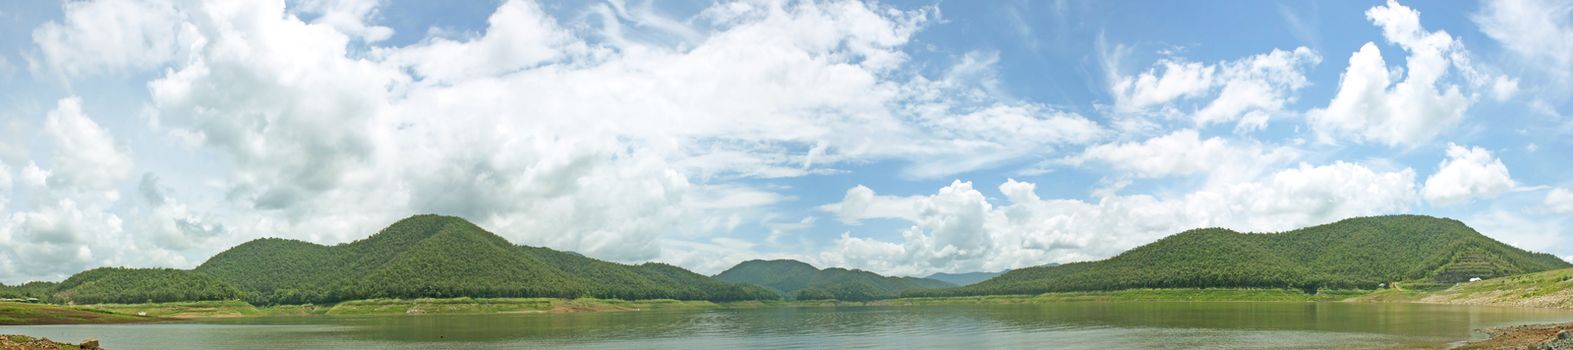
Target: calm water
<point>1060,326</point>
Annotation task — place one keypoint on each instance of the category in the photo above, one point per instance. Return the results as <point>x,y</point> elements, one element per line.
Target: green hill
<point>418,257</point>
<point>802,281</point>
<point>1352,253</point>
<point>440,256</point>
<point>967,278</point>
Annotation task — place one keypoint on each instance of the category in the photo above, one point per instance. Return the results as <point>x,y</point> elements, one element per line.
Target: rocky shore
<point>22,342</point>
<point>1532,337</point>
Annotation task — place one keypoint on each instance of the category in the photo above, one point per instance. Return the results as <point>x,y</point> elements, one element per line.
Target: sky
<point>900,137</point>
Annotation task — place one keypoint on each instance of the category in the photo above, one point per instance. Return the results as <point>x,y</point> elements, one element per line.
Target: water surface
<point>1060,325</point>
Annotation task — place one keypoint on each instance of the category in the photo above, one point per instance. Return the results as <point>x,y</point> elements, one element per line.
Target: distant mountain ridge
<point>420,256</point>
<point>799,280</point>
<point>963,278</point>
<point>1351,253</point>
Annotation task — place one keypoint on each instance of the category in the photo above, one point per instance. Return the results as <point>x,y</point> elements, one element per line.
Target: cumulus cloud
<point>68,223</point>
<point>1467,173</point>
<point>114,36</point>
<point>1540,32</point>
<point>518,36</point>
<point>1184,152</point>
<point>614,148</point>
<point>1371,106</point>
<point>84,155</point>
<point>347,16</point>
<point>957,229</point>
<point>1247,91</point>
<point>1560,200</point>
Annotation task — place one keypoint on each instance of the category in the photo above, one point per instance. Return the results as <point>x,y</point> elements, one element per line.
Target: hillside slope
<point>1547,289</point>
<point>799,280</point>
<point>1352,253</point>
<point>440,256</point>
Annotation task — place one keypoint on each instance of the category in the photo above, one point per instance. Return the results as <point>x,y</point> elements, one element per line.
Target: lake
<point>1088,325</point>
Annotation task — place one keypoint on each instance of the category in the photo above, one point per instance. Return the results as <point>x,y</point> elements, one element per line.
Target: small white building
<point>1472,279</point>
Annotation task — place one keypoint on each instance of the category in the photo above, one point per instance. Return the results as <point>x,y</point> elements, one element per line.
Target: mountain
<point>421,256</point>
<point>802,281</point>
<point>1352,253</point>
<point>442,256</point>
<point>964,278</point>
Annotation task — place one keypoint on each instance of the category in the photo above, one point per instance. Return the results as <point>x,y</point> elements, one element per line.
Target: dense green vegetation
<point>805,282</point>
<point>1144,295</point>
<point>122,285</point>
<point>965,278</point>
<point>429,256</point>
<point>1359,253</point>
<point>40,290</point>
<point>424,256</point>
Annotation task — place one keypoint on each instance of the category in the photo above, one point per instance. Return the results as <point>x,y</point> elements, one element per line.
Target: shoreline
<point>155,312</point>
<point>1530,336</point>
<point>1507,337</point>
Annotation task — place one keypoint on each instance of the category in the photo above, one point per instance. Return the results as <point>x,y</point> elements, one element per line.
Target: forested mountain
<point>1352,253</point>
<point>421,256</point>
<point>440,256</point>
<point>963,279</point>
<point>802,281</point>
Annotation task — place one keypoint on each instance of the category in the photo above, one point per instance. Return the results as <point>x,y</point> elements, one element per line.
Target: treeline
<point>799,280</point>
<point>38,290</point>
<point>437,256</point>
<point>1354,253</point>
<point>127,286</point>
<point>418,257</point>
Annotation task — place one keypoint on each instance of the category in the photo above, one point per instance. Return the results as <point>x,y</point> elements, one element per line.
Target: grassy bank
<point>235,308</point>
<point>1549,289</point>
<point>1142,295</point>
<point>24,313</point>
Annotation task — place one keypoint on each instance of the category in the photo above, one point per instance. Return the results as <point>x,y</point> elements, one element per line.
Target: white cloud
<point>1539,32</point>
<point>114,36</point>
<point>1177,79</point>
<point>85,155</point>
<point>618,149</point>
<point>1560,200</point>
<point>1467,173</point>
<point>957,230</point>
<point>1184,152</point>
<point>519,36</point>
<point>1522,230</point>
<point>1247,91</point>
<point>67,224</point>
<point>1372,107</point>
<point>347,16</point>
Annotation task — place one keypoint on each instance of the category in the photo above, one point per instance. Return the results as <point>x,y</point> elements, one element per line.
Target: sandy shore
<point>1538,336</point>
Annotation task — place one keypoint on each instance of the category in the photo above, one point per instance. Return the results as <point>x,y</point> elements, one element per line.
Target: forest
<point>421,256</point>
<point>801,281</point>
<point>1357,253</point>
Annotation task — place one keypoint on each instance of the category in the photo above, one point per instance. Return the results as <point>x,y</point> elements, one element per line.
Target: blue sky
<point>905,137</point>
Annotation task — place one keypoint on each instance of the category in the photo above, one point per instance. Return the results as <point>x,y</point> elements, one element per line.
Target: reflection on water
<point>1064,325</point>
